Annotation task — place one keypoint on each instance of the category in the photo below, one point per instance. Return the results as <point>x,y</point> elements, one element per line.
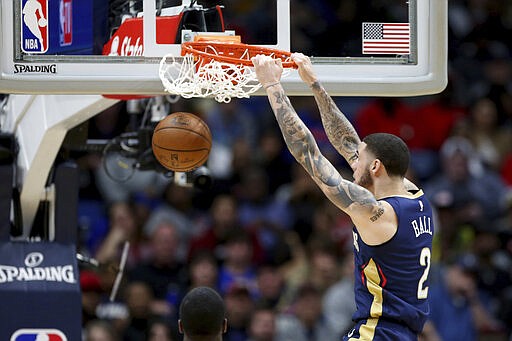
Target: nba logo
<point>34,26</point>
<point>38,335</point>
<point>65,22</point>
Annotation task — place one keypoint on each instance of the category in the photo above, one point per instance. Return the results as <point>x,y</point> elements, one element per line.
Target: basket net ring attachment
<point>217,69</point>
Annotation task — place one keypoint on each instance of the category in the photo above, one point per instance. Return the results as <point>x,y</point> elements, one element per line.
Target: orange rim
<point>233,53</point>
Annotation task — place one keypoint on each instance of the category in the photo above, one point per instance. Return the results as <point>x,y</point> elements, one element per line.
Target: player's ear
<point>225,326</point>
<point>180,326</point>
<point>376,166</point>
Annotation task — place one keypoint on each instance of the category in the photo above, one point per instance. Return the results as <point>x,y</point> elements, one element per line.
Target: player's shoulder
<point>416,192</point>
<point>410,194</point>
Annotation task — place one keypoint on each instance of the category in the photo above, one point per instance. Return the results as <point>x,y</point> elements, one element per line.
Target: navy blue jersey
<point>391,279</point>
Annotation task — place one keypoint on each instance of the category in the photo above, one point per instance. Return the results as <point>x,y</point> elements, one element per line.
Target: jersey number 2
<point>424,261</point>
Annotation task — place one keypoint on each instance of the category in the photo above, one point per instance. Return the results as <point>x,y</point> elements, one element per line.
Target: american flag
<point>386,38</point>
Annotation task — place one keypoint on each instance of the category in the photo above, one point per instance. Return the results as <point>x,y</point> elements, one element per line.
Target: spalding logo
<point>181,120</point>
<point>34,259</point>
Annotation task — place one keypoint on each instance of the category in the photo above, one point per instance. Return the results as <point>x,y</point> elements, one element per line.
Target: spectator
<point>439,115</point>
<point>203,270</point>
<point>338,303</point>
<point>223,218</point>
<point>465,193</point>
<point>304,320</point>
<point>237,268</point>
<point>138,299</point>
<point>239,308</point>
<point>177,208</point>
<point>302,196</point>
<point>271,286</point>
<point>114,311</point>
<point>389,115</point>
<point>329,223</point>
<point>234,162</point>
<point>395,116</point>
<point>123,228</point>
<point>506,170</point>
<point>98,330</point>
<point>457,309</point>
<point>231,123</point>
<point>502,259</point>
<point>492,252</point>
<point>271,157</point>
<point>162,271</point>
<point>261,212</point>
<point>90,288</point>
<point>160,330</point>
<point>490,140</point>
<point>262,326</point>
<point>230,126</point>
<point>316,265</point>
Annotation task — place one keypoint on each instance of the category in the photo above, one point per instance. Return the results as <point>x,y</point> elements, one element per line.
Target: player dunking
<point>393,219</point>
<point>202,315</point>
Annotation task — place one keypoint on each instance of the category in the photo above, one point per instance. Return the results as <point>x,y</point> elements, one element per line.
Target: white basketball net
<point>219,80</point>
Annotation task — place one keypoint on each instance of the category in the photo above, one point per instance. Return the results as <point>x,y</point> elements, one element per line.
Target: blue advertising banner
<point>39,287</point>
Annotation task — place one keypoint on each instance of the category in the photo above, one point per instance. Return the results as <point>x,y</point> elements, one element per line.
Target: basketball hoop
<point>218,69</point>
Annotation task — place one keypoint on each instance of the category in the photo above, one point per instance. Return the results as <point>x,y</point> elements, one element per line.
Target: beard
<point>366,180</point>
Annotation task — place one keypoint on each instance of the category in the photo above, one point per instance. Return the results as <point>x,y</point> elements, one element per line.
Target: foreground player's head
<point>202,315</point>
<point>382,149</point>
<point>390,150</point>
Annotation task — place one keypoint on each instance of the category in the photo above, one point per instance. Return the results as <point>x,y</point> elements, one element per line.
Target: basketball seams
<point>187,129</point>
<point>181,150</point>
<point>202,161</point>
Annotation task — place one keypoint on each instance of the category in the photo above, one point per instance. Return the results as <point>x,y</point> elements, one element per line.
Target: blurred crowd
<point>269,241</point>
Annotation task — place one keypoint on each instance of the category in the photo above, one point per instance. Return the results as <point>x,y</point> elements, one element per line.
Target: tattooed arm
<point>338,128</point>
<point>356,201</point>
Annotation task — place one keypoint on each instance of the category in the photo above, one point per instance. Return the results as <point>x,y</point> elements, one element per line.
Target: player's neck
<point>389,187</point>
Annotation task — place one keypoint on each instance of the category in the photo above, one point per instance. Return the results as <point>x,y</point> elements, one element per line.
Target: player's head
<point>383,149</point>
<point>202,315</point>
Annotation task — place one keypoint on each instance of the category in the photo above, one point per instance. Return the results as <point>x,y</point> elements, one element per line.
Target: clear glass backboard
<point>381,48</point>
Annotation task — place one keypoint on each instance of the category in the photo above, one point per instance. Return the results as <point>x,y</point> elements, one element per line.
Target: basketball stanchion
<point>218,69</point>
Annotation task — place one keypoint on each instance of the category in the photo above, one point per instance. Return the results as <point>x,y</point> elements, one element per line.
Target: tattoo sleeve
<point>340,131</point>
<point>303,147</point>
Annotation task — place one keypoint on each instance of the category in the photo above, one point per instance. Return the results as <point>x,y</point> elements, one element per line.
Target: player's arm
<point>338,128</point>
<point>303,147</point>
<point>366,212</point>
<point>375,220</point>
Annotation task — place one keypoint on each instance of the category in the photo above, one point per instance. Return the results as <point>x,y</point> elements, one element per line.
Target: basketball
<point>42,22</point>
<point>181,142</point>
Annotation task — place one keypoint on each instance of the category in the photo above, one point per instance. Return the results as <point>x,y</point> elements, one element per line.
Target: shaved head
<point>202,314</point>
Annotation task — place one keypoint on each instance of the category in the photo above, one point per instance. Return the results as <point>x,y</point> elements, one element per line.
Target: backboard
<point>393,48</point>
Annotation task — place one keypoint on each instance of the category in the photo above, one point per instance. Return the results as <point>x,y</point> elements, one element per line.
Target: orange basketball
<point>181,142</point>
